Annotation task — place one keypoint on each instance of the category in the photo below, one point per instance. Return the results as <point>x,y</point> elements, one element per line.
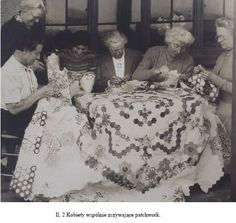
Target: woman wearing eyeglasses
<point>172,56</point>
<point>24,25</point>
<point>222,73</point>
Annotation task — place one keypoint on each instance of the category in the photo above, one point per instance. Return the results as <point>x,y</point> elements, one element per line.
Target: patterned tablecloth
<point>144,139</point>
<point>134,146</point>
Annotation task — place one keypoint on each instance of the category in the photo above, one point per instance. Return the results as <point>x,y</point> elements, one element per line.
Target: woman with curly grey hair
<point>25,24</point>
<point>114,38</point>
<point>22,25</point>
<point>173,56</point>
<point>222,74</point>
<point>118,64</point>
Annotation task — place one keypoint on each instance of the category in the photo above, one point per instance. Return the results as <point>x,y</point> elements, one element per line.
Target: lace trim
<point>18,18</point>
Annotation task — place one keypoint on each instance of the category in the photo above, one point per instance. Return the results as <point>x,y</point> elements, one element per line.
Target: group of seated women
<point>20,90</point>
<point>119,64</point>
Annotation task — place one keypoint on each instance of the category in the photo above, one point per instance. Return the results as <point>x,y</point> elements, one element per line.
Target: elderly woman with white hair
<point>25,24</point>
<point>172,56</point>
<point>222,74</point>
<point>119,64</point>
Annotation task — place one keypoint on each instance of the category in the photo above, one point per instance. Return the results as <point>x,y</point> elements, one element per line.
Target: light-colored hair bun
<point>225,22</point>
<point>114,37</point>
<point>32,4</point>
<point>180,34</point>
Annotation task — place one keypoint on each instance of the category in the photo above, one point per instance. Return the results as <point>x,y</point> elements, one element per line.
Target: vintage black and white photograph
<point>117,101</point>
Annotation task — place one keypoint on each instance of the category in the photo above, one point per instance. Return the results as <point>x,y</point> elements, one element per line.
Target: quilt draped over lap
<point>49,162</point>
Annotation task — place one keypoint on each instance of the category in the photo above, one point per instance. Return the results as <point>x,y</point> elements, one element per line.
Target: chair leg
<point>10,152</point>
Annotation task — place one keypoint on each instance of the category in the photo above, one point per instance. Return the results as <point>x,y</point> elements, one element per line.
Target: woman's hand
<point>87,82</point>
<point>43,92</point>
<point>127,77</point>
<point>200,69</point>
<point>162,73</point>
<point>197,69</point>
<point>46,91</point>
<point>76,90</point>
<point>205,74</point>
<point>115,80</point>
<point>183,77</point>
<point>156,70</point>
<point>38,66</point>
<point>170,82</point>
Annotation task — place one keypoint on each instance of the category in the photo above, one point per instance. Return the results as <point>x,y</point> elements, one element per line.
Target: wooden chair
<point>10,146</point>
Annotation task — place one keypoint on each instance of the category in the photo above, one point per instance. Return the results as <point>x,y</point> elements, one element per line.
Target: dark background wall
<point>8,9</point>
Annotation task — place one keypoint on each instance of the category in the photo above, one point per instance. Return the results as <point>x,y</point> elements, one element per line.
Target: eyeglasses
<point>179,46</point>
<point>35,18</point>
<point>116,50</point>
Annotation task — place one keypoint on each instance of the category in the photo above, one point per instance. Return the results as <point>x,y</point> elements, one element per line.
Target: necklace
<point>18,17</point>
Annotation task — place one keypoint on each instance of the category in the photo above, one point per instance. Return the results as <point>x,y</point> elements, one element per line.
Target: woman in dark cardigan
<point>25,25</point>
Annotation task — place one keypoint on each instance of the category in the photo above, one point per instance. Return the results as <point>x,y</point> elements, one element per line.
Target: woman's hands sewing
<point>160,74</point>
<point>200,69</point>
<point>118,80</point>
<point>76,90</point>
<point>115,81</point>
<point>87,82</point>
<point>47,91</point>
<point>167,77</point>
<point>24,104</point>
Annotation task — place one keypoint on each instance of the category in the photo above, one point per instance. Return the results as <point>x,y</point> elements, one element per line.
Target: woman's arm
<point>187,68</point>
<point>16,108</point>
<point>145,69</point>
<point>220,82</point>
<point>100,81</point>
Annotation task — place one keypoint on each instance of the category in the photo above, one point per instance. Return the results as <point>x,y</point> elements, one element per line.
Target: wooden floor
<point>219,193</point>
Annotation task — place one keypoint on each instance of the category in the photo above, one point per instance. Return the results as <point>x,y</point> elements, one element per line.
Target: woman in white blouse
<point>19,87</point>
